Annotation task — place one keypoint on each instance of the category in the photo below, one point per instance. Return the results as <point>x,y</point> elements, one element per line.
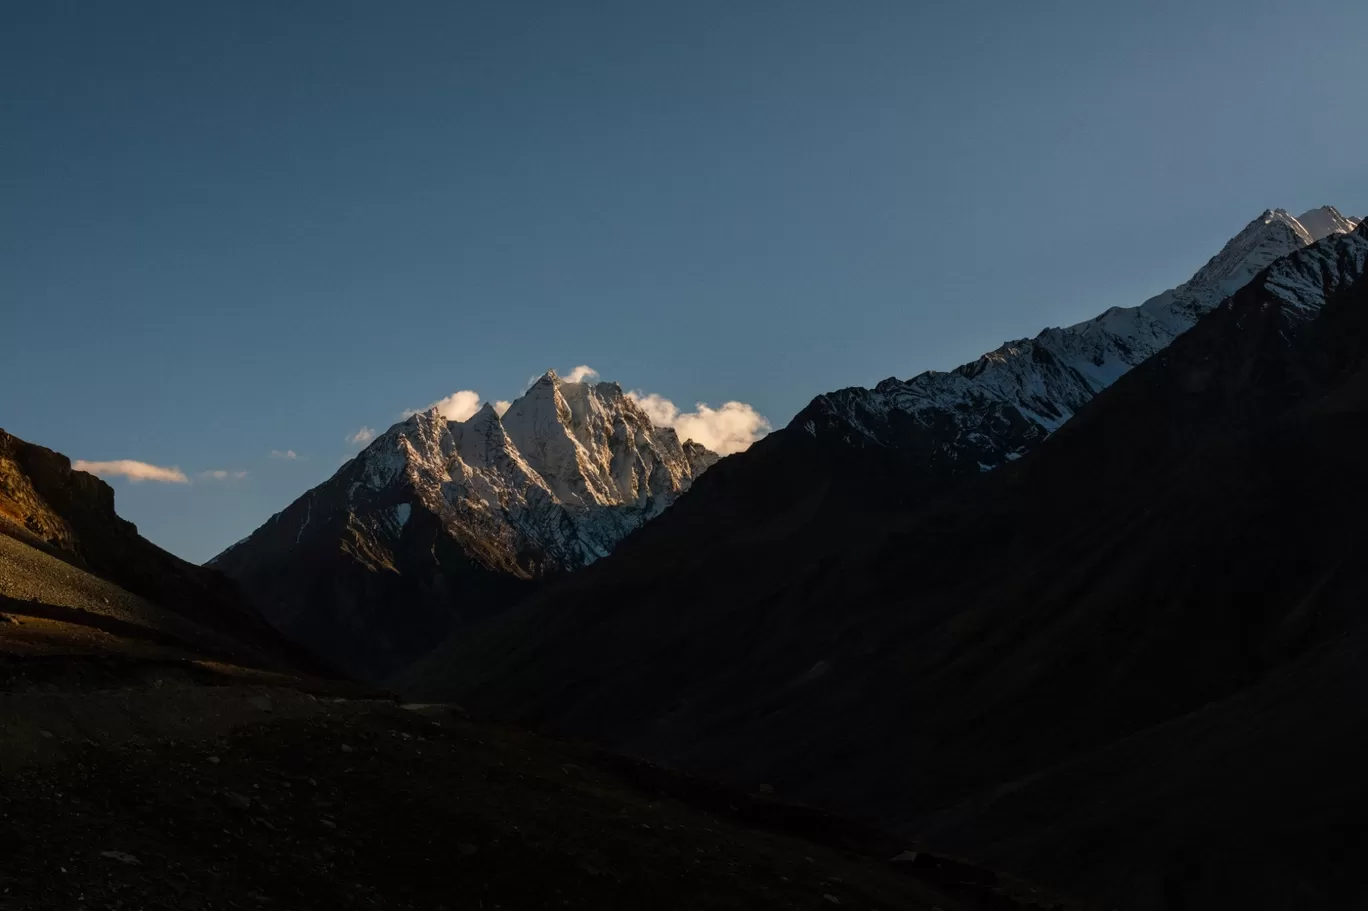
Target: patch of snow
<point>308,514</point>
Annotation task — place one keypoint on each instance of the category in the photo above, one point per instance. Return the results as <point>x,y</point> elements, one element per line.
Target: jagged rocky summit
<point>438,521</point>
<point>999,407</point>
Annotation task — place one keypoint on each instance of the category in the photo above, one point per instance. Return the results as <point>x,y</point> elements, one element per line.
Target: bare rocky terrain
<point>181,794</point>
<point>149,760</point>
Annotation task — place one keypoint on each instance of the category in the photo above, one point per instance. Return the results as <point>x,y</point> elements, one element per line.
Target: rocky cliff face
<point>68,513</point>
<point>40,491</point>
<point>438,521</point>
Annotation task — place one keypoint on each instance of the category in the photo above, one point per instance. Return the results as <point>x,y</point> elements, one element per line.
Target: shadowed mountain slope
<point>898,647</point>
<point>67,558</point>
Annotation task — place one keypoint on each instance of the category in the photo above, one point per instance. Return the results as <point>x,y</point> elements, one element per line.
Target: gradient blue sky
<point>231,228</point>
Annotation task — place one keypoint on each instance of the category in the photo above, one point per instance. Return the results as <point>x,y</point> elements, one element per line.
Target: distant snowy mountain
<point>432,507</point>
<point>1002,405</point>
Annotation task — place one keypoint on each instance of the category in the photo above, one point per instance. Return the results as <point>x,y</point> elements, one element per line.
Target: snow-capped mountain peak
<point>1321,223</point>
<point>567,471</point>
<point>995,409</point>
<point>540,425</point>
<point>1272,235</point>
<point>434,510</point>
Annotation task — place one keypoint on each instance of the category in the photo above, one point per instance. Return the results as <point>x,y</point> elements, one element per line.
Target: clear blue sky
<point>231,228</point>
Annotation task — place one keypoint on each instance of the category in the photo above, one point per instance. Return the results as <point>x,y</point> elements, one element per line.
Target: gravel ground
<point>191,797</point>
<point>38,583</point>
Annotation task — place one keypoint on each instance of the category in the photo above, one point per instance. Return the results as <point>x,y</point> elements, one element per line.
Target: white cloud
<point>134,471</point>
<point>580,374</point>
<point>287,454</point>
<point>659,409</point>
<point>459,406</point>
<point>218,474</point>
<point>362,436</point>
<point>732,427</point>
<point>501,406</point>
<point>574,375</point>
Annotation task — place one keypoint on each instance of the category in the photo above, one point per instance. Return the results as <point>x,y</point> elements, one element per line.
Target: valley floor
<point>179,793</point>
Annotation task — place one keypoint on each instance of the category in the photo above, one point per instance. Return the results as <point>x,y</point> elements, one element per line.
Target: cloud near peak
<point>459,406</point>
<point>731,427</point>
<point>728,428</point>
<point>580,374</point>
<point>288,454</point>
<point>362,436</point>
<point>135,471</point>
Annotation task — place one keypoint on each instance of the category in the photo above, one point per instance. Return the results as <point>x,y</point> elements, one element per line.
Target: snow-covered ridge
<point>1305,281</point>
<point>564,474</point>
<point>994,409</point>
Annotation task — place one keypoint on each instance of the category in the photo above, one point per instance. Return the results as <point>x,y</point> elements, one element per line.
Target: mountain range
<point>1085,612</point>
<point>438,522</point>
<point>1123,663</point>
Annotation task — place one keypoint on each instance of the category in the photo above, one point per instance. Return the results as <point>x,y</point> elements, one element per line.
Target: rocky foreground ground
<point>129,785</point>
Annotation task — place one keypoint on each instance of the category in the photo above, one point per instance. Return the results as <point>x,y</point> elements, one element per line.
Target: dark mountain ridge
<point>896,644</point>
<point>440,523</point>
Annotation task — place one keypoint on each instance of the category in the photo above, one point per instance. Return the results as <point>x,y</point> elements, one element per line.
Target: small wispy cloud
<point>574,375</point>
<point>459,406</point>
<point>731,427</point>
<point>135,471</point>
<point>288,454</point>
<point>362,436</point>
<point>219,474</point>
<point>502,406</point>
